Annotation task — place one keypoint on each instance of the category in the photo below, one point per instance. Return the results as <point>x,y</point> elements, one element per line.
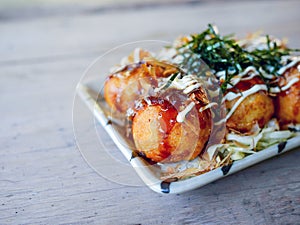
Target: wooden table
<point>43,177</point>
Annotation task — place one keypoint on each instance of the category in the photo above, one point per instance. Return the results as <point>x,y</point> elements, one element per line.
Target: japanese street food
<point>172,127</point>
<point>170,122</point>
<point>207,100</point>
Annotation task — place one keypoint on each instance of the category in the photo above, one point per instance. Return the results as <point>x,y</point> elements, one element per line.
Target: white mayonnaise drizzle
<point>249,69</point>
<point>250,76</point>
<point>220,121</point>
<point>191,88</point>
<point>290,83</point>
<point>247,74</point>
<point>242,96</point>
<point>266,75</point>
<point>251,72</point>
<point>187,83</point>
<point>289,65</point>
<point>181,115</point>
<point>209,105</point>
<point>287,86</point>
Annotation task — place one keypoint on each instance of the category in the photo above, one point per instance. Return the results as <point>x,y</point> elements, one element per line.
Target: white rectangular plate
<point>150,175</point>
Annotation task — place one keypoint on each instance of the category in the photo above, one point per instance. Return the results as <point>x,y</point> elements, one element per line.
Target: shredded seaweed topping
<point>223,53</point>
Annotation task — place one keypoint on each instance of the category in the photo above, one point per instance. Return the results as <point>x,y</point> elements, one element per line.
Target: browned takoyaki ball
<point>123,88</point>
<point>160,137</point>
<point>133,82</point>
<point>257,108</point>
<point>288,102</point>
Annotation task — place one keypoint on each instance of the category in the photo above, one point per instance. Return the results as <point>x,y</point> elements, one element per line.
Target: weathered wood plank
<point>81,34</point>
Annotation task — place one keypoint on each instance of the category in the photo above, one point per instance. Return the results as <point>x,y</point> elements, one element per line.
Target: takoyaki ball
<point>123,88</point>
<point>133,82</point>
<point>288,101</point>
<point>257,108</point>
<point>160,137</point>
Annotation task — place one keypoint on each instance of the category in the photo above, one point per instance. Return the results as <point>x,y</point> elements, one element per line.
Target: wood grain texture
<point>43,177</point>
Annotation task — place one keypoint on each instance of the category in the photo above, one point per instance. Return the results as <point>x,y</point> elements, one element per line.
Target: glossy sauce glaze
<point>170,128</point>
<point>134,82</point>
<point>163,116</point>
